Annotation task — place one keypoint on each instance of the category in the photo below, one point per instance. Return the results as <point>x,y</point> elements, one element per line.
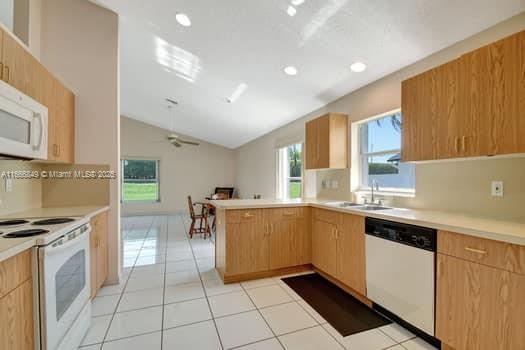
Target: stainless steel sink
<point>344,204</point>
<point>372,207</point>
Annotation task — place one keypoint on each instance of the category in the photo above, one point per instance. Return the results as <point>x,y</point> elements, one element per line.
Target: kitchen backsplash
<point>461,186</point>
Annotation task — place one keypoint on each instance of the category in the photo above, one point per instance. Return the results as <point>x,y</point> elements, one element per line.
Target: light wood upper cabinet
<point>479,307</point>
<point>22,70</point>
<point>471,106</point>
<point>98,252</point>
<point>63,145</point>
<point>327,142</point>
<point>351,253</point>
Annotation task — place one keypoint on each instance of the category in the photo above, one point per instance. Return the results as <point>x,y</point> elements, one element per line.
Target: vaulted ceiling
<point>246,44</point>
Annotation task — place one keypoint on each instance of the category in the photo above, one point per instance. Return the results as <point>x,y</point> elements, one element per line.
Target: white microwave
<point>23,125</point>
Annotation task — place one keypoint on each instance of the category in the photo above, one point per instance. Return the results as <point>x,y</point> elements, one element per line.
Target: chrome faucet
<point>375,187</point>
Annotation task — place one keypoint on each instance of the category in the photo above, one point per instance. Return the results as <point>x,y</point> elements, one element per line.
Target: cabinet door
<point>479,307</point>
<point>290,240</point>
<point>311,151</point>
<point>324,246</point>
<point>247,248</point>
<point>491,95</point>
<point>64,124</point>
<point>429,105</point>
<point>16,318</point>
<point>323,142</point>
<point>19,66</point>
<point>351,253</point>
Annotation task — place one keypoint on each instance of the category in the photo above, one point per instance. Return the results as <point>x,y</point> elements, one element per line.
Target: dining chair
<point>203,225</point>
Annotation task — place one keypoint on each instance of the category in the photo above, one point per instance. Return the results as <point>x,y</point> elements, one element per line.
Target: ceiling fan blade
<point>176,143</point>
<point>189,142</point>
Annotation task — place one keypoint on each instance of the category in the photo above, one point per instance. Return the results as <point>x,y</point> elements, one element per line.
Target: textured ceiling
<point>245,41</point>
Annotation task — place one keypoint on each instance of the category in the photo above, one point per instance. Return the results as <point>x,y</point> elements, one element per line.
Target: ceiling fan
<point>175,139</point>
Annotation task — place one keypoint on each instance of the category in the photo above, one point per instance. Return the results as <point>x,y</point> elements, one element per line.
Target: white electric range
<point>61,277</point>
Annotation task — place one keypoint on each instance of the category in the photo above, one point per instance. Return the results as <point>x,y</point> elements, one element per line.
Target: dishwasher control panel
<point>415,236</point>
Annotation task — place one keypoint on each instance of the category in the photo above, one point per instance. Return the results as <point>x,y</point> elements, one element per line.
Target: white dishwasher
<point>400,271</point>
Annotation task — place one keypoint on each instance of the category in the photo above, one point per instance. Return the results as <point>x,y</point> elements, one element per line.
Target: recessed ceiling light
<point>291,11</point>
<point>297,2</point>
<point>237,93</point>
<point>183,19</point>
<point>290,70</point>
<point>358,67</point>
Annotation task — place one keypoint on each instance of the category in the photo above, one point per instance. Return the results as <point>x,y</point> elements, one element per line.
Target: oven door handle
<point>55,250</point>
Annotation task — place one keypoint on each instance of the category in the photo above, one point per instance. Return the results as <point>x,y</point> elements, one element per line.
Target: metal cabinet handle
<point>464,143</point>
<point>248,215</point>
<point>456,144</point>
<point>472,250</point>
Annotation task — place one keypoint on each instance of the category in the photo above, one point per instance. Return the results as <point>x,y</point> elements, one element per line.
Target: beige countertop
<point>504,231</point>
<point>12,247</point>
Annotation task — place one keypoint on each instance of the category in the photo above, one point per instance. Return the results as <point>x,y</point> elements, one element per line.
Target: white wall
<point>79,44</point>
<point>7,13</point>
<point>189,170</point>
<point>460,186</point>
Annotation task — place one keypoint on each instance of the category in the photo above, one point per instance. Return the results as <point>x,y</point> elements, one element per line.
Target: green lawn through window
<point>295,190</point>
<point>140,192</point>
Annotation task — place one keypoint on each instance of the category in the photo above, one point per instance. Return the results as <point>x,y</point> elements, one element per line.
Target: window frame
<point>363,156</point>
<point>157,170</point>
<point>282,181</point>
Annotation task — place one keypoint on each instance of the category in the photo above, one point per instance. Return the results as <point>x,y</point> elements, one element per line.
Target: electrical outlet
<point>8,185</point>
<point>497,189</point>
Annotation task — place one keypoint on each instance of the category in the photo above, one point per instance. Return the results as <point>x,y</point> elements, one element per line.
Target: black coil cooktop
<point>13,222</point>
<point>54,221</point>
<point>25,233</point>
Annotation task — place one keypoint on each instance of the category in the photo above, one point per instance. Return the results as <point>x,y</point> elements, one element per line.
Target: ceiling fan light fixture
<point>183,19</point>
<point>241,88</point>
<point>291,70</point>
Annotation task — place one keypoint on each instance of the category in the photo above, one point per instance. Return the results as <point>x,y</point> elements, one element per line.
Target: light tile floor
<point>172,298</point>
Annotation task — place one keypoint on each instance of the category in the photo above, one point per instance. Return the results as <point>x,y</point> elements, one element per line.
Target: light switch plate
<point>497,188</point>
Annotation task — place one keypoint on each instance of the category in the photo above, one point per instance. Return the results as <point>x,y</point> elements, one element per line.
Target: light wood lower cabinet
<point>16,303</point>
<point>324,243</point>
<point>289,237</point>
<point>480,299</point>
<point>98,252</point>
<point>252,242</point>
<point>246,242</point>
<point>338,247</point>
<point>479,307</point>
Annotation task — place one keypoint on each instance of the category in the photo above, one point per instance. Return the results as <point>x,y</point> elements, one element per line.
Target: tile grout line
<point>260,314</point>
<point>120,298</point>
<point>164,287</point>
<point>204,289</point>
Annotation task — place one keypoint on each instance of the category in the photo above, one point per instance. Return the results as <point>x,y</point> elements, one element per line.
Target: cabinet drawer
<point>14,271</point>
<point>506,256</point>
<point>243,215</point>
<point>285,213</point>
<point>329,216</point>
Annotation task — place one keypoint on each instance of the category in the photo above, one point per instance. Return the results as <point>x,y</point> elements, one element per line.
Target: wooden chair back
<point>190,206</point>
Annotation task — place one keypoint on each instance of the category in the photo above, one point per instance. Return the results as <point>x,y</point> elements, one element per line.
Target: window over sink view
<point>380,155</point>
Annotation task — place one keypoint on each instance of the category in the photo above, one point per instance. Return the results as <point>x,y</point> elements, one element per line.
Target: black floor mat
<point>344,312</point>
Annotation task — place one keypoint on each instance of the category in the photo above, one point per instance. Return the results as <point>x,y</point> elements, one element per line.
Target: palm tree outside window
<point>290,171</point>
